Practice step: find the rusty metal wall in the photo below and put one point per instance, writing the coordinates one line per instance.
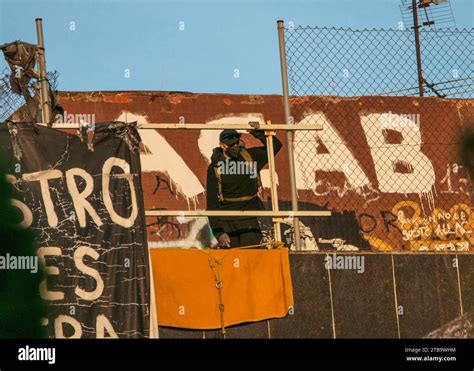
(387, 167)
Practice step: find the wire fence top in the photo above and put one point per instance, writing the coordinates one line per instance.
(350, 62)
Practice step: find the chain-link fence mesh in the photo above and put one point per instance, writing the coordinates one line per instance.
(11, 102)
(385, 163)
(346, 62)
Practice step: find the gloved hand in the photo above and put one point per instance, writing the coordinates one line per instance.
(257, 133)
(224, 240)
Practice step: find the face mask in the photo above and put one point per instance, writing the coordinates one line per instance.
(233, 151)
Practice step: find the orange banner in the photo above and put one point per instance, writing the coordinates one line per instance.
(256, 285)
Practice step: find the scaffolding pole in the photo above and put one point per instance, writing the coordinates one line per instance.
(289, 133)
(44, 89)
(273, 188)
(263, 213)
(200, 126)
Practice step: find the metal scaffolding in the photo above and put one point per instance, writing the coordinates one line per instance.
(269, 129)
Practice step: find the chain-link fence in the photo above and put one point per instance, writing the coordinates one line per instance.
(346, 62)
(11, 102)
(385, 163)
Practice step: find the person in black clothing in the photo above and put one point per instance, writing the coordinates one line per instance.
(233, 183)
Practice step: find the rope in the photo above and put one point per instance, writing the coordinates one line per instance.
(274, 244)
(216, 268)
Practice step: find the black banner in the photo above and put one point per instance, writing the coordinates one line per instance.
(82, 197)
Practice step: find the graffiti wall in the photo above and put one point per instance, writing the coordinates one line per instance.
(387, 167)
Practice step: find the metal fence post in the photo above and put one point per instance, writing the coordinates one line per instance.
(417, 45)
(289, 134)
(45, 103)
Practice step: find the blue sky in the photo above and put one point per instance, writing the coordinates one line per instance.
(144, 37)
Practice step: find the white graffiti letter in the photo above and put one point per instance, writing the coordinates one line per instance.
(27, 214)
(161, 156)
(418, 176)
(49, 270)
(79, 198)
(43, 177)
(78, 260)
(59, 330)
(102, 325)
(339, 158)
(106, 169)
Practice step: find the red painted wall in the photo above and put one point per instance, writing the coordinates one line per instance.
(386, 166)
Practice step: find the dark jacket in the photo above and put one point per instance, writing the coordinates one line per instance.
(237, 185)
